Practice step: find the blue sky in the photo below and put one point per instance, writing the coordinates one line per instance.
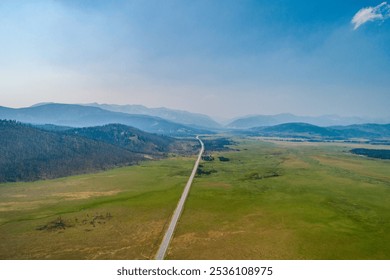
(222, 58)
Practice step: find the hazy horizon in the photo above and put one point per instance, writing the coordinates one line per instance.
(221, 120)
(225, 59)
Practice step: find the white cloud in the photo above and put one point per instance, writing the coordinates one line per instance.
(380, 12)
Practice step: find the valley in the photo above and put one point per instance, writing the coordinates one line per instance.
(283, 200)
(83, 182)
(172, 132)
(259, 199)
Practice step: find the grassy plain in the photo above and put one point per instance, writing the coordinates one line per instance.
(280, 200)
(117, 214)
(271, 200)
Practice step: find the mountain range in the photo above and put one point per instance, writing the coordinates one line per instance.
(177, 116)
(271, 120)
(53, 116)
(86, 116)
(53, 140)
(161, 120)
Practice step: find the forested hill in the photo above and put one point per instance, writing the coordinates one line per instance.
(29, 153)
(305, 130)
(129, 138)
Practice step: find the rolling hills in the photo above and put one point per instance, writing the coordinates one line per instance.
(304, 130)
(126, 137)
(272, 120)
(29, 153)
(86, 116)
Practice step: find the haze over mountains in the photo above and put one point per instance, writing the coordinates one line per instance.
(178, 116)
(160, 120)
(53, 140)
(57, 117)
(85, 116)
(270, 120)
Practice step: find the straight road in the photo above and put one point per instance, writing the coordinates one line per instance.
(179, 209)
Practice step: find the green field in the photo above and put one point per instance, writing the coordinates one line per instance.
(270, 200)
(287, 201)
(117, 214)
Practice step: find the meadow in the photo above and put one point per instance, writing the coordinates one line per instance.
(283, 200)
(260, 200)
(116, 214)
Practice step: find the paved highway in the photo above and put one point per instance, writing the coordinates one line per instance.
(179, 209)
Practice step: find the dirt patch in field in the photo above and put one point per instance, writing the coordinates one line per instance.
(189, 238)
(351, 166)
(18, 196)
(84, 195)
(16, 206)
(28, 205)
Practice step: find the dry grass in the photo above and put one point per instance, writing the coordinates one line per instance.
(117, 214)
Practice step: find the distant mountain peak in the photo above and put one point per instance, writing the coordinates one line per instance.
(41, 103)
(74, 115)
(178, 116)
